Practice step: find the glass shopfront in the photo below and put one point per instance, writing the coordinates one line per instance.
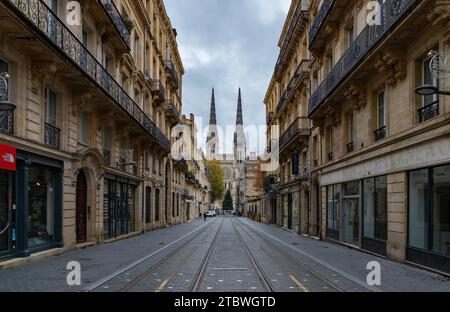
(375, 214)
(31, 206)
(357, 213)
(118, 206)
(429, 217)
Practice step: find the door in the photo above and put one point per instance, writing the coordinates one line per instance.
(6, 212)
(81, 208)
(350, 220)
(290, 211)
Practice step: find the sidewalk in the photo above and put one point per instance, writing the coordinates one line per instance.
(329, 257)
(49, 274)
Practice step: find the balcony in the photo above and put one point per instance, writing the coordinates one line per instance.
(117, 20)
(380, 134)
(39, 16)
(52, 136)
(268, 181)
(299, 127)
(7, 121)
(301, 73)
(429, 112)
(392, 12)
(299, 14)
(172, 112)
(158, 91)
(319, 21)
(172, 73)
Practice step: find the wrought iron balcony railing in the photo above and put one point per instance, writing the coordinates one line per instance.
(300, 126)
(380, 134)
(319, 21)
(429, 112)
(41, 17)
(392, 11)
(300, 14)
(302, 72)
(117, 20)
(7, 121)
(52, 136)
(158, 90)
(170, 68)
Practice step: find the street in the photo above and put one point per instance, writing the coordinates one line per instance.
(223, 254)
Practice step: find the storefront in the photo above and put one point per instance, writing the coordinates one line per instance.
(429, 217)
(291, 208)
(119, 201)
(357, 213)
(30, 205)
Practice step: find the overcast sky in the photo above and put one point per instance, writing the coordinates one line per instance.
(227, 44)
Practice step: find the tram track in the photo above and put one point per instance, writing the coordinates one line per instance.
(124, 270)
(289, 255)
(259, 271)
(278, 244)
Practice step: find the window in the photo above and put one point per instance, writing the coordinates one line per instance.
(429, 213)
(350, 36)
(351, 132)
(333, 210)
(84, 127)
(4, 90)
(107, 144)
(429, 106)
(380, 110)
(50, 107)
(330, 143)
(146, 160)
(375, 208)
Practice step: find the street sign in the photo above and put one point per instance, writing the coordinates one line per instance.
(7, 157)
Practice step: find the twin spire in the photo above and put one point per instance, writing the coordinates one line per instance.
(239, 115)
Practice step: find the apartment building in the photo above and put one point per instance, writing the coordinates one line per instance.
(377, 151)
(96, 98)
(287, 189)
(382, 151)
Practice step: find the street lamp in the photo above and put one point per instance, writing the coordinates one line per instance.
(5, 104)
(427, 90)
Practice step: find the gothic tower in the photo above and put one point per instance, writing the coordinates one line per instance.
(239, 146)
(212, 141)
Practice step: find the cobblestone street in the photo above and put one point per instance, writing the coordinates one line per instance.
(224, 254)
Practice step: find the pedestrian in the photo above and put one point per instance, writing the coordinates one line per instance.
(204, 216)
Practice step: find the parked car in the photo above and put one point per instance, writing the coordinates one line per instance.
(211, 214)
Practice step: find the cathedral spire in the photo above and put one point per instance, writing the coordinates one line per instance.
(239, 118)
(212, 116)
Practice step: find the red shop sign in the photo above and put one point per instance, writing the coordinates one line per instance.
(7, 157)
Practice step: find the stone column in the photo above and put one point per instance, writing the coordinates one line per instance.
(397, 216)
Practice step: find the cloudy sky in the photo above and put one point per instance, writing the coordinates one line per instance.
(227, 44)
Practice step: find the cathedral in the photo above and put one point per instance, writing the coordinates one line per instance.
(233, 165)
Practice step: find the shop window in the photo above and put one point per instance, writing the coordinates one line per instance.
(41, 196)
(333, 210)
(375, 208)
(429, 213)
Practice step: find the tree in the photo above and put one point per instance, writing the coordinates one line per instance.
(216, 177)
(228, 201)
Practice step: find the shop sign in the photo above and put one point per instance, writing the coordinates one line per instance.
(7, 157)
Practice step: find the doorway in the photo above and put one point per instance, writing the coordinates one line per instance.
(81, 208)
(289, 221)
(350, 220)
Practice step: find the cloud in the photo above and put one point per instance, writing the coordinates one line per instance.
(227, 44)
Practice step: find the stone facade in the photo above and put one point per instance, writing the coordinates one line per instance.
(373, 139)
(101, 99)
